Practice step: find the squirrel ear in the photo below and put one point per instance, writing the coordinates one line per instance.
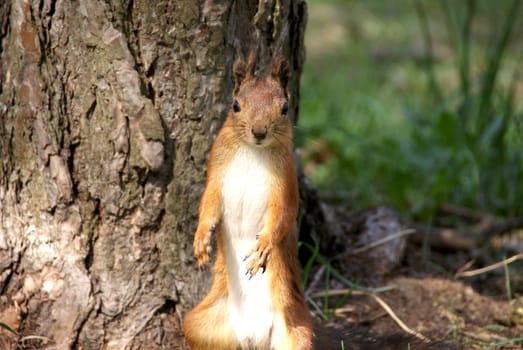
(239, 72)
(280, 70)
(242, 71)
(251, 62)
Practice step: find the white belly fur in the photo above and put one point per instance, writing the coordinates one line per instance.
(245, 191)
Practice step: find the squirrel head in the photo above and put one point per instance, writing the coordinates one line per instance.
(260, 105)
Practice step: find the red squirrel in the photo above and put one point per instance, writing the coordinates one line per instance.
(250, 203)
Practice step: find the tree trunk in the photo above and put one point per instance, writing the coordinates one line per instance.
(108, 110)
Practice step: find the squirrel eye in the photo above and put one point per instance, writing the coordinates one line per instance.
(285, 108)
(235, 106)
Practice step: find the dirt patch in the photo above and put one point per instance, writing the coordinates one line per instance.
(467, 314)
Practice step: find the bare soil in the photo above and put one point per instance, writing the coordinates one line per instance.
(465, 313)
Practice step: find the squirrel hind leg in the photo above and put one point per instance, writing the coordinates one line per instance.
(296, 337)
(206, 328)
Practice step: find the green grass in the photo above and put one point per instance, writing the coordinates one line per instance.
(383, 122)
(7, 327)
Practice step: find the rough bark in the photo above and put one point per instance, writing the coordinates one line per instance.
(108, 110)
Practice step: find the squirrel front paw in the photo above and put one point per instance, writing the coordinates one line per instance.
(202, 244)
(259, 256)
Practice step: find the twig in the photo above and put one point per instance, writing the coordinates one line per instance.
(380, 301)
(466, 213)
(336, 292)
(497, 265)
(375, 243)
(443, 237)
(465, 267)
(469, 238)
(342, 310)
(380, 242)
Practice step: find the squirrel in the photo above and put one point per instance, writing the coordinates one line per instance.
(250, 204)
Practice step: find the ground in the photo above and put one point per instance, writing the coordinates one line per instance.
(471, 313)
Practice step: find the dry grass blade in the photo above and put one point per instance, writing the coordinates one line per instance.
(44, 340)
(377, 243)
(381, 302)
(497, 265)
(396, 319)
(381, 241)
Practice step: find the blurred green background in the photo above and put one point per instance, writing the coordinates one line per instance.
(415, 104)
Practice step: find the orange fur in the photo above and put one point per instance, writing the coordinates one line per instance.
(258, 124)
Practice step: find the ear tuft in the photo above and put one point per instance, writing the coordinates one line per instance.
(280, 70)
(251, 62)
(239, 71)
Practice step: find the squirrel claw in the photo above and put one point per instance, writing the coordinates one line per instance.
(260, 254)
(202, 245)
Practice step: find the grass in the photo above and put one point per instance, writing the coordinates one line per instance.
(8, 328)
(499, 344)
(415, 104)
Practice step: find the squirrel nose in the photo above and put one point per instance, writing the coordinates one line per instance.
(259, 133)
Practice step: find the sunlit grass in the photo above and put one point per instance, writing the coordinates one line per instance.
(373, 128)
